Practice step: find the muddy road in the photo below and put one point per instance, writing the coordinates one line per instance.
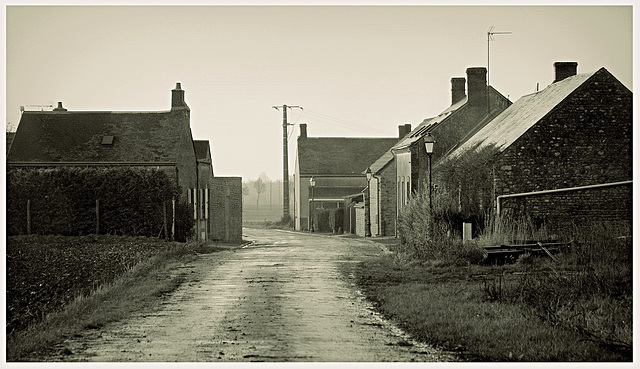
(284, 297)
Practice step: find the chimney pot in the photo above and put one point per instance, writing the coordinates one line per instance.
(564, 70)
(403, 130)
(457, 89)
(177, 98)
(303, 130)
(60, 107)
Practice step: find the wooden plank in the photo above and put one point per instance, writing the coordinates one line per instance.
(549, 253)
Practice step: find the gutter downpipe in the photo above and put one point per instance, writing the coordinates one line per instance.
(523, 194)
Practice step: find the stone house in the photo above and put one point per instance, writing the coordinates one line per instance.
(383, 205)
(559, 156)
(403, 170)
(161, 140)
(337, 165)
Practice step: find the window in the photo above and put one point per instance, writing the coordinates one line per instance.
(192, 195)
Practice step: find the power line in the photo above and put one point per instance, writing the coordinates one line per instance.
(324, 118)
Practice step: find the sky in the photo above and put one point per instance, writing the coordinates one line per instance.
(356, 71)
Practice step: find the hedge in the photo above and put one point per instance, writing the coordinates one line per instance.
(62, 201)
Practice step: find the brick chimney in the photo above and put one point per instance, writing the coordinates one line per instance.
(564, 70)
(477, 87)
(457, 89)
(403, 130)
(303, 130)
(177, 98)
(59, 108)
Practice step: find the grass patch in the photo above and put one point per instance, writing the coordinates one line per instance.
(478, 311)
(138, 287)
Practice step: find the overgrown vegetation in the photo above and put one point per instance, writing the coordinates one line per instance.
(81, 201)
(101, 279)
(577, 307)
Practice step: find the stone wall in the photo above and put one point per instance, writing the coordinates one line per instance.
(225, 209)
(574, 209)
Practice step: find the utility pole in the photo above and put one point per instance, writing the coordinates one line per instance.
(285, 159)
(490, 34)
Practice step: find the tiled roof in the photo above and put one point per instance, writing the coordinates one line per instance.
(79, 136)
(514, 121)
(340, 155)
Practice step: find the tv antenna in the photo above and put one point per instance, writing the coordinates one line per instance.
(490, 34)
(35, 107)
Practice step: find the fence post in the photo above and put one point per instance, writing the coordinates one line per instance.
(166, 223)
(28, 216)
(97, 216)
(173, 219)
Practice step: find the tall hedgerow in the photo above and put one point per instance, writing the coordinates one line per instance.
(63, 201)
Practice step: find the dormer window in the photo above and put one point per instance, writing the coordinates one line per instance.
(107, 140)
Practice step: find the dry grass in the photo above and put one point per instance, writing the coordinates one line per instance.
(578, 308)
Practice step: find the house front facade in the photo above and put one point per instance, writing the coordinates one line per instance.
(337, 165)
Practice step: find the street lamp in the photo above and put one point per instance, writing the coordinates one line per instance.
(312, 183)
(428, 145)
(367, 205)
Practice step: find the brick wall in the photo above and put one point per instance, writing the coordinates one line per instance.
(226, 209)
(585, 140)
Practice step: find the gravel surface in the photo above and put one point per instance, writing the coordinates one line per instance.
(284, 297)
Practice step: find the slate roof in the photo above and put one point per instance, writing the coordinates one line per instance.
(340, 155)
(429, 124)
(514, 121)
(53, 137)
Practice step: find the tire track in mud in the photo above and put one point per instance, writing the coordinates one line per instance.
(281, 298)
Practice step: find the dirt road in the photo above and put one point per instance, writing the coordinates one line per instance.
(281, 298)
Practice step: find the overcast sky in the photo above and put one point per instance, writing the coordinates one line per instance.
(356, 70)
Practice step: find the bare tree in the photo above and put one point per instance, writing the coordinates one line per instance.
(245, 190)
(260, 187)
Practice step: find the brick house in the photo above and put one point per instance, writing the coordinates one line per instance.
(469, 111)
(562, 155)
(337, 165)
(161, 140)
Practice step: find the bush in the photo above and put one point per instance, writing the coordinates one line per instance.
(63, 201)
(426, 234)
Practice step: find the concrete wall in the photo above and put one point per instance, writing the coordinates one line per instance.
(225, 209)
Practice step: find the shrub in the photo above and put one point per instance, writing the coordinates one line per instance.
(427, 235)
(63, 201)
